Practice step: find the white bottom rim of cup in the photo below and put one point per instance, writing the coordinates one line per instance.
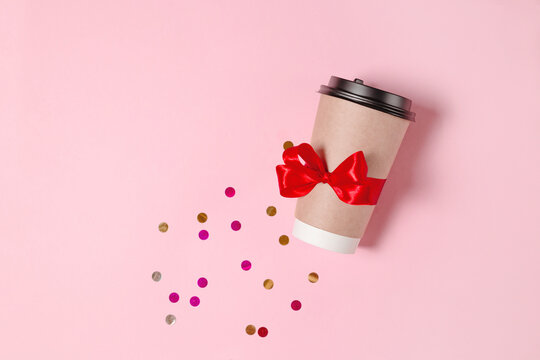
(324, 239)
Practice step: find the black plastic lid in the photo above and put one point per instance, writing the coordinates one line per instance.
(377, 99)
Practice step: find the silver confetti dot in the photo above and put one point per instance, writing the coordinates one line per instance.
(156, 276)
(170, 319)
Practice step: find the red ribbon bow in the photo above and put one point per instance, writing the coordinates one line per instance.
(349, 180)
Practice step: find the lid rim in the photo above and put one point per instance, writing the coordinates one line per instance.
(357, 92)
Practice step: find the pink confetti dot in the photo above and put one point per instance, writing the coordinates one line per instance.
(296, 305)
(229, 192)
(246, 265)
(173, 297)
(194, 301)
(203, 234)
(235, 225)
(202, 282)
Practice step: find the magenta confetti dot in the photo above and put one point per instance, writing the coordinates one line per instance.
(202, 282)
(296, 305)
(203, 234)
(229, 192)
(173, 297)
(246, 265)
(235, 225)
(194, 301)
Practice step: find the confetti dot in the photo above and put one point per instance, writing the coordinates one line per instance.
(194, 301)
(271, 210)
(173, 297)
(263, 331)
(235, 225)
(156, 276)
(203, 234)
(283, 240)
(202, 282)
(163, 227)
(313, 277)
(250, 329)
(170, 319)
(287, 144)
(229, 192)
(202, 217)
(296, 305)
(246, 265)
(268, 284)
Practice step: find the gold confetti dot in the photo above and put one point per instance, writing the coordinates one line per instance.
(271, 210)
(163, 227)
(202, 217)
(170, 319)
(268, 284)
(313, 277)
(156, 276)
(287, 144)
(283, 240)
(250, 329)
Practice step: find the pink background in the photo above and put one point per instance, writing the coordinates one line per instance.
(117, 115)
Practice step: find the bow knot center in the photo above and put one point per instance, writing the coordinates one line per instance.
(325, 178)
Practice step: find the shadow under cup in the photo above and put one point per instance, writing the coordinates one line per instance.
(351, 117)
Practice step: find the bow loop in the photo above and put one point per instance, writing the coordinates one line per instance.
(349, 180)
(292, 155)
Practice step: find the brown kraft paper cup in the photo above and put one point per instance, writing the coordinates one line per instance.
(351, 117)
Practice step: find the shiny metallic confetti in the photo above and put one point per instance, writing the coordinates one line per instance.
(203, 235)
(202, 282)
(251, 329)
(271, 210)
(283, 240)
(156, 276)
(313, 277)
(246, 265)
(263, 331)
(268, 284)
(235, 225)
(202, 217)
(170, 319)
(163, 227)
(174, 297)
(296, 305)
(229, 192)
(287, 144)
(194, 301)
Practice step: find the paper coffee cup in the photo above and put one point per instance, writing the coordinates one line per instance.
(351, 117)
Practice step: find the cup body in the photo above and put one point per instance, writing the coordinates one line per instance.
(343, 127)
